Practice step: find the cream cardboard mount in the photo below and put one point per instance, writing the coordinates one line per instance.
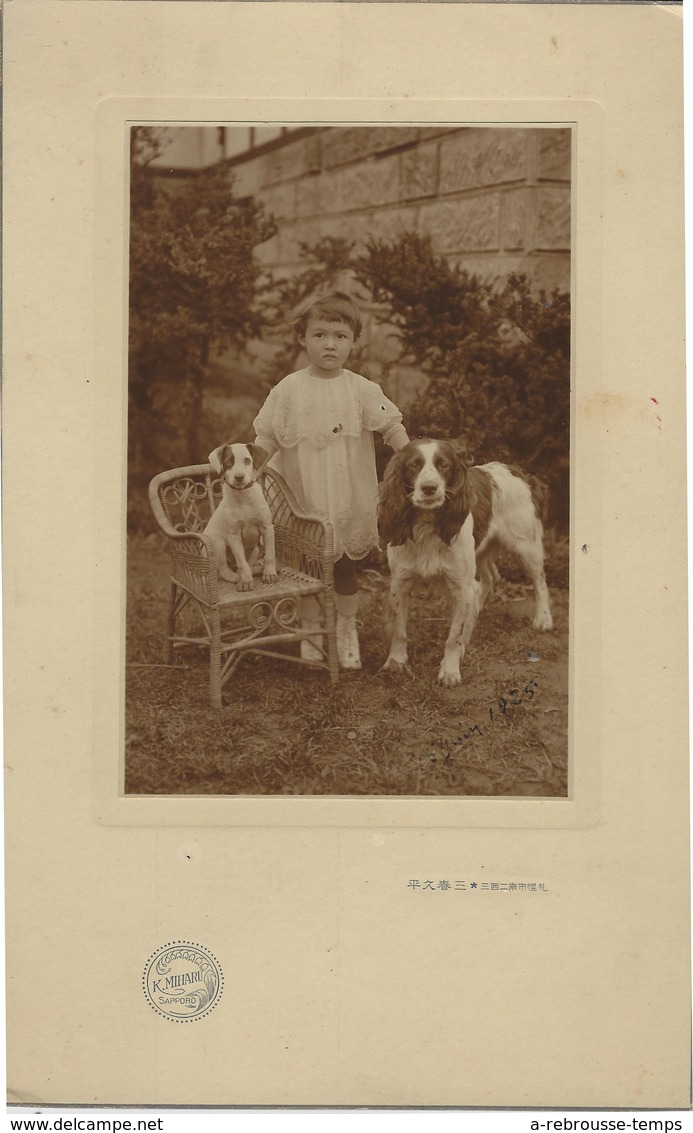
(329, 979)
(584, 124)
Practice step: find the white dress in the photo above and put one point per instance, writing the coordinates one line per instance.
(323, 429)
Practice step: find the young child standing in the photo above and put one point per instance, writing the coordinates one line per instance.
(319, 424)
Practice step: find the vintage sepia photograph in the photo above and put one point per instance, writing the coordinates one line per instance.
(346, 715)
(349, 460)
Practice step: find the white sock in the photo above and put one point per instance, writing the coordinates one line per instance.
(347, 638)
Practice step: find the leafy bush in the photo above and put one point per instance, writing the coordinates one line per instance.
(497, 358)
(428, 301)
(193, 288)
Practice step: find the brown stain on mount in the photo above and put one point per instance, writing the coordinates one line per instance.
(615, 410)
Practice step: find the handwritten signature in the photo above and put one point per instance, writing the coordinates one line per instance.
(514, 698)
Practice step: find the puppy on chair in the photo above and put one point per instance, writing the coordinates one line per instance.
(242, 521)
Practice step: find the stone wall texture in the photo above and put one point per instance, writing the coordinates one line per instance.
(493, 199)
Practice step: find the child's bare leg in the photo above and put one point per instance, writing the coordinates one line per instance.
(345, 580)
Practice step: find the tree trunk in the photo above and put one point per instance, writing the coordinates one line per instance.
(198, 373)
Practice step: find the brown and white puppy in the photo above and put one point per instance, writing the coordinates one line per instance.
(441, 518)
(242, 519)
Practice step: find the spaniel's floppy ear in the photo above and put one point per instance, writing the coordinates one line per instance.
(395, 511)
(457, 500)
(216, 458)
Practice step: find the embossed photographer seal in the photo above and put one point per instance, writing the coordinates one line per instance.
(182, 981)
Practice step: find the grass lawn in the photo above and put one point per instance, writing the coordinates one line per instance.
(285, 730)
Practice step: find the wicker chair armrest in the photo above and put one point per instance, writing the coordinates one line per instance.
(316, 530)
(311, 528)
(155, 500)
(304, 542)
(190, 542)
(194, 564)
(290, 498)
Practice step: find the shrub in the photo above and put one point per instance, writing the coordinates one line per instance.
(505, 388)
(193, 287)
(430, 302)
(497, 358)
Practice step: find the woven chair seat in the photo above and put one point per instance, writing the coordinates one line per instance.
(183, 500)
(291, 584)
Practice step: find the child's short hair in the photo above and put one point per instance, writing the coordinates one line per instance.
(334, 306)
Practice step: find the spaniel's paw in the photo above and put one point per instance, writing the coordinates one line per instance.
(245, 583)
(449, 678)
(270, 576)
(543, 620)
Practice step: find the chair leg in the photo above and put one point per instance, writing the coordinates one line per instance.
(215, 660)
(331, 634)
(171, 624)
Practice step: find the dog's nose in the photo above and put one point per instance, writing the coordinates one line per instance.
(429, 489)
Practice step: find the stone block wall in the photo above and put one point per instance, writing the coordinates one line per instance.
(493, 199)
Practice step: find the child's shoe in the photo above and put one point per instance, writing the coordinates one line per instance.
(348, 643)
(348, 651)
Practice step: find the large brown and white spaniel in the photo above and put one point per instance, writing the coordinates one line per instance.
(442, 518)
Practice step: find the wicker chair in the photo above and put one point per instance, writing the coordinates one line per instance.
(183, 500)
